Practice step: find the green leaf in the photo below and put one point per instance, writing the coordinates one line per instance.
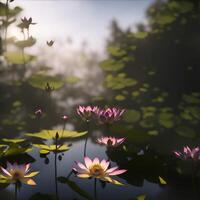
(162, 181)
(50, 134)
(141, 35)
(185, 132)
(72, 79)
(120, 97)
(166, 120)
(141, 197)
(153, 132)
(17, 140)
(119, 81)
(40, 81)
(18, 58)
(116, 51)
(26, 43)
(131, 116)
(45, 149)
(111, 65)
(75, 187)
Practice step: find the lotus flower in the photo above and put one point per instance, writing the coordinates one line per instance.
(98, 169)
(110, 141)
(109, 115)
(188, 153)
(86, 112)
(17, 173)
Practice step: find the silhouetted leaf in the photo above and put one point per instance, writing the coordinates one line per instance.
(75, 187)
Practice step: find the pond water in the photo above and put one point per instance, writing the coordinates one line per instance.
(149, 69)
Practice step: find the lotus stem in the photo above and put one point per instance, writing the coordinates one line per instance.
(16, 186)
(95, 189)
(86, 139)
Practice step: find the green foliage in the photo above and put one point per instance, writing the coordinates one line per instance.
(141, 35)
(116, 51)
(51, 134)
(11, 12)
(17, 140)
(26, 43)
(119, 81)
(164, 19)
(167, 119)
(75, 187)
(111, 65)
(132, 116)
(72, 80)
(120, 97)
(18, 58)
(40, 81)
(180, 7)
(153, 132)
(45, 149)
(140, 197)
(162, 181)
(185, 131)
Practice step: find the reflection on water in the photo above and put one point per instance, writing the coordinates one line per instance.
(152, 72)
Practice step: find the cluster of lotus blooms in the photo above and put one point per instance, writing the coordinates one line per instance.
(96, 168)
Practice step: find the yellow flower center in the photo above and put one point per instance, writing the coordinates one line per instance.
(17, 175)
(96, 170)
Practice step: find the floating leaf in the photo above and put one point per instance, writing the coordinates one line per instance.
(153, 132)
(18, 58)
(141, 35)
(166, 120)
(132, 116)
(72, 79)
(119, 81)
(75, 187)
(120, 97)
(40, 81)
(13, 140)
(45, 149)
(50, 134)
(111, 65)
(141, 197)
(162, 181)
(185, 132)
(26, 43)
(116, 51)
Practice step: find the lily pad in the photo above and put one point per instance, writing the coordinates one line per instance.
(18, 58)
(132, 116)
(40, 81)
(50, 134)
(26, 43)
(45, 149)
(185, 132)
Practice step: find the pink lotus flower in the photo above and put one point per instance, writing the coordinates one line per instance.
(188, 153)
(86, 112)
(110, 141)
(109, 115)
(98, 169)
(17, 173)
